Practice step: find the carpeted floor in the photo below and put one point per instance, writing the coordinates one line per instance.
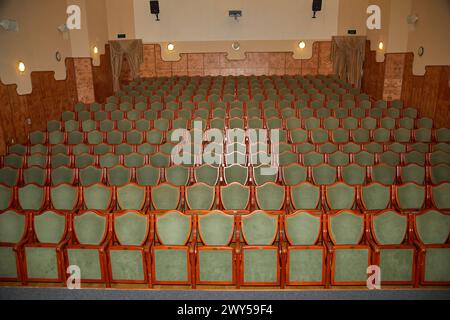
(111, 294)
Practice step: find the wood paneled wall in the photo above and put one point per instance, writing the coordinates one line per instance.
(394, 79)
(102, 77)
(214, 64)
(47, 100)
(50, 97)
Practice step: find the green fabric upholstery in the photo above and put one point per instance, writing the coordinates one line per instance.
(165, 197)
(441, 196)
(433, 227)
(173, 228)
(8, 267)
(215, 265)
(84, 160)
(302, 229)
(131, 229)
(200, 196)
(6, 197)
(440, 174)
(305, 265)
(64, 197)
(37, 160)
(131, 197)
(9, 176)
(294, 174)
(259, 228)
(237, 174)
(90, 175)
(354, 175)
(260, 265)
(42, 263)
(126, 265)
(235, 196)
(49, 227)
(119, 176)
(364, 158)
(390, 228)
(413, 173)
(35, 175)
(97, 197)
(340, 196)
(437, 265)
(216, 228)
(178, 175)
(376, 196)
(324, 174)
(339, 158)
(88, 260)
(109, 160)
(396, 264)
(62, 175)
(90, 228)
(260, 179)
(12, 227)
(384, 174)
(148, 176)
(160, 160)
(171, 265)
(351, 265)
(313, 159)
(410, 196)
(346, 228)
(305, 196)
(270, 196)
(31, 197)
(13, 161)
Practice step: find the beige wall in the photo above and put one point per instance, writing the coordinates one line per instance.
(98, 27)
(120, 15)
(431, 32)
(36, 42)
(352, 16)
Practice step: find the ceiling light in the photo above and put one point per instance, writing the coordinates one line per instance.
(21, 67)
(170, 47)
(302, 45)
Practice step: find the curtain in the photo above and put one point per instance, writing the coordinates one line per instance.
(133, 50)
(347, 54)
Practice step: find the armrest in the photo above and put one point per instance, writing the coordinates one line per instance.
(329, 246)
(63, 243)
(373, 245)
(419, 246)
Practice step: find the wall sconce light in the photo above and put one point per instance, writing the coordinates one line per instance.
(170, 47)
(302, 45)
(235, 46)
(381, 45)
(21, 67)
(95, 50)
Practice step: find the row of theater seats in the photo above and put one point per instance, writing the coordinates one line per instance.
(261, 248)
(235, 197)
(182, 176)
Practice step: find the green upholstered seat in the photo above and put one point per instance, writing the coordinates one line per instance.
(440, 173)
(171, 265)
(413, 173)
(97, 197)
(270, 196)
(350, 259)
(131, 197)
(207, 174)
(42, 262)
(410, 196)
(200, 196)
(305, 196)
(9, 176)
(127, 260)
(35, 175)
(64, 197)
(354, 174)
(165, 197)
(148, 176)
(432, 228)
(236, 173)
(440, 196)
(12, 230)
(31, 197)
(384, 174)
(340, 196)
(375, 196)
(235, 196)
(324, 174)
(119, 176)
(260, 264)
(178, 175)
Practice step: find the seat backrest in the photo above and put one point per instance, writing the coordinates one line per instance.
(13, 226)
(90, 227)
(131, 228)
(165, 197)
(50, 226)
(303, 228)
(173, 228)
(389, 227)
(432, 227)
(260, 228)
(346, 227)
(216, 228)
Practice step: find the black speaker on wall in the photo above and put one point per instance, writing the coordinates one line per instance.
(316, 7)
(154, 9)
